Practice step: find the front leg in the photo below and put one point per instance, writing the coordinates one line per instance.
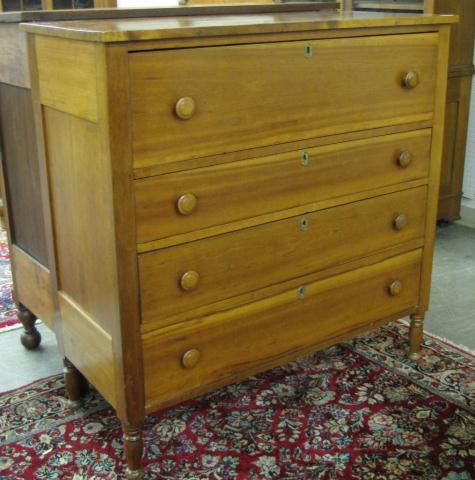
(133, 448)
(75, 383)
(30, 338)
(416, 332)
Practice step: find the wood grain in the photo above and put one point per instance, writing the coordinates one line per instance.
(160, 169)
(89, 347)
(222, 25)
(83, 214)
(126, 339)
(254, 258)
(13, 57)
(235, 191)
(269, 111)
(68, 82)
(436, 160)
(246, 337)
(33, 285)
(21, 170)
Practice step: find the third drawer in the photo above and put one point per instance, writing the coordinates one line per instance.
(177, 280)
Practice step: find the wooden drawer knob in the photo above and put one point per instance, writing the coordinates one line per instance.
(404, 158)
(185, 108)
(410, 80)
(395, 288)
(189, 280)
(400, 222)
(191, 358)
(186, 204)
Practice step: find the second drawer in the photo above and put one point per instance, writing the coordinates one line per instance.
(182, 202)
(176, 280)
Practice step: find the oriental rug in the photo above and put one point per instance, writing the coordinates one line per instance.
(359, 410)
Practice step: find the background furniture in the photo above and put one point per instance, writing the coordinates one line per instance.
(215, 216)
(19, 5)
(461, 71)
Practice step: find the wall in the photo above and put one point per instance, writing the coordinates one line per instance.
(468, 202)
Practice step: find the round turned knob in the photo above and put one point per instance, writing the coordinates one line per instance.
(191, 358)
(404, 158)
(186, 204)
(185, 108)
(400, 222)
(395, 288)
(189, 280)
(410, 80)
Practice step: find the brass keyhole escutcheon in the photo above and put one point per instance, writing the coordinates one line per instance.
(304, 224)
(305, 159)
(308, 51)
(301, 292)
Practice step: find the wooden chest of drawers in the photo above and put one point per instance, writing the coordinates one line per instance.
(224, 200)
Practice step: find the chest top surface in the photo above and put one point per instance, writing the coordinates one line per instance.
(217, 23)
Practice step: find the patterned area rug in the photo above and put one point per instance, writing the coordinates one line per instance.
(359, 410)
(8, 313)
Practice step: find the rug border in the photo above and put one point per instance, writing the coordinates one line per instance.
(450, 343)
(6, 392)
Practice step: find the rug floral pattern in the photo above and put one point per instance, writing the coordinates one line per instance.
(359, 410)
(8, 313)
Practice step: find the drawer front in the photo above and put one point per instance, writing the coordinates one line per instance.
(176, 280)
(202, 101)
(222, 348)
(183, 202)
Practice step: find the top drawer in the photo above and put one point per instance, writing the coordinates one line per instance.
(195, 102)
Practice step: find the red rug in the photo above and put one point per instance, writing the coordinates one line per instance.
(8, 313)
(360, 410)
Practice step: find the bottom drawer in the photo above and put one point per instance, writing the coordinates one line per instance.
(180, 361)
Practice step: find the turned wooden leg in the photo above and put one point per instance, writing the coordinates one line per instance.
(133, 448)
(75, 383)
(30, 338)
(416, 333)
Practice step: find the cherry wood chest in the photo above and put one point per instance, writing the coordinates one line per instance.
(223, 198)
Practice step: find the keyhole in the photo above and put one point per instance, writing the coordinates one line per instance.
(304, 224)
(308, 51)
(305, 159)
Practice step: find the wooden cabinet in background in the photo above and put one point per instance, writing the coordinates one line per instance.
(461, 70)
(32, 5)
